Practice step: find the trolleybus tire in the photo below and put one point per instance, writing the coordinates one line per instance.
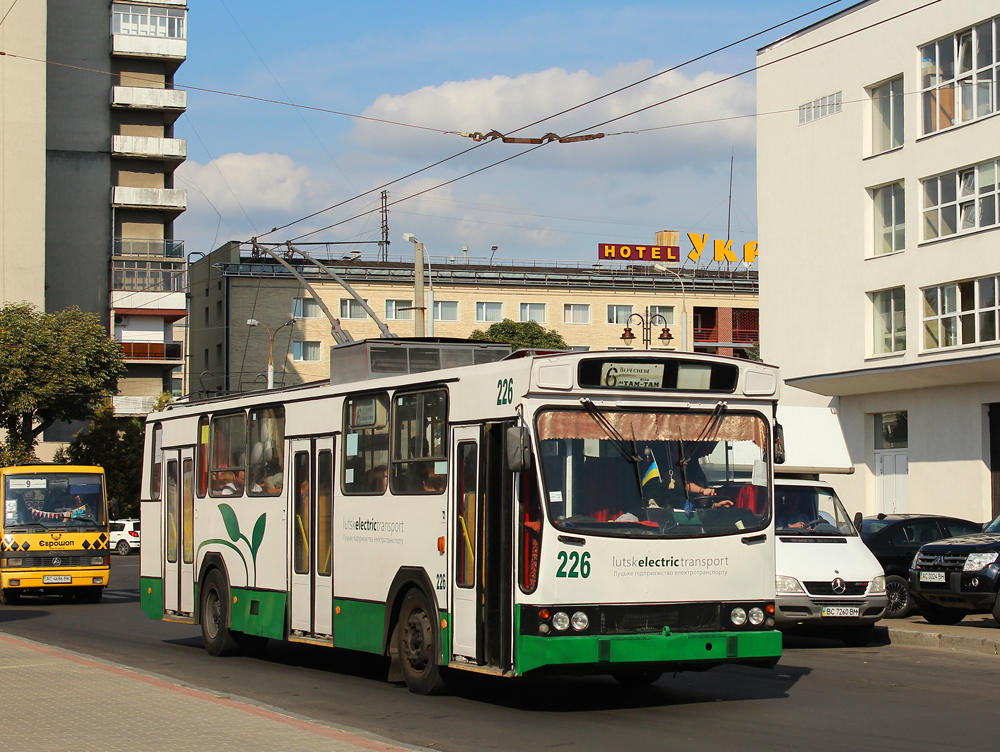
(416, 644)
(637, 678)
(219, 641)
(10, 597)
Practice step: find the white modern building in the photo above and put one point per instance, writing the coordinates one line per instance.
(878, 161)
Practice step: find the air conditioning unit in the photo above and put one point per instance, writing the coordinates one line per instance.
(121, 319)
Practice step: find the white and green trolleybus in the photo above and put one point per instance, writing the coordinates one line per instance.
(455, 508)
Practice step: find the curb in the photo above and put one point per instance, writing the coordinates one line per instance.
(935, 639)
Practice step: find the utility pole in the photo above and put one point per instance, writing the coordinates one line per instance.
(383, 244)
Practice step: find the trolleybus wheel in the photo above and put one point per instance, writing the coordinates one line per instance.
(10, 597)
(214, 615)
(417, 645)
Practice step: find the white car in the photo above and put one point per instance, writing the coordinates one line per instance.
(124, 536)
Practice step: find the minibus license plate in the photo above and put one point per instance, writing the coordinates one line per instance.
(841, 611)
(932, 576)
(57, 579)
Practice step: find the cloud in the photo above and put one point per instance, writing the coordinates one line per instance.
(504, 103)
(255, 182)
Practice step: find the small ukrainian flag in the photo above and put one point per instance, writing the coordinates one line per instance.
(653, 472)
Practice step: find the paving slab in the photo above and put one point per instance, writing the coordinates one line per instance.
(77, 702)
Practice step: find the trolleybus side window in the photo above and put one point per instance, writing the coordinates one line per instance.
(266, 460)
(366, 444)
(324, 512)
(202, 456)
(228, 451)
(156, 472)
(300, 516)
(465, 564)
(419, 442)
(172, 511)
(530, 521)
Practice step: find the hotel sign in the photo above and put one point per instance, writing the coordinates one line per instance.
(617, 252)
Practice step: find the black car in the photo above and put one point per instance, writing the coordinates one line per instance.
(959, 576)
(895, 540)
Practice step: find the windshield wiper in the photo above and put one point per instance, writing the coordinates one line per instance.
(619, 442)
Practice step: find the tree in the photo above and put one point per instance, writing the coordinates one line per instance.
(522, 335)
(53, 366)
(115, 447)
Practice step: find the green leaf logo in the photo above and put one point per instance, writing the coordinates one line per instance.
(258, 536)
(232, 524)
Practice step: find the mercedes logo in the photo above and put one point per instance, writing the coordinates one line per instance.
(56, 561)
(838, 586)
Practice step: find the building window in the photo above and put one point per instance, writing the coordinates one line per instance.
(398, 310)
(618, 314)
(958, 77)
(446, 310)
(887, 115)
(576, 313)
(177, 381)
(960, 201)
(305, 308)
(890, 218)
(218, 310)
(145, 21)
(891, 431)
(305, 352)
(489, 312)
(533, 312)
(352, 309)
(890, 321)
(963, 313)
(821, 108)
(666, 311)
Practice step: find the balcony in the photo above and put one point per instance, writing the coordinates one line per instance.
(149, 31)
(162, 199)
(146, 147)
(171, 101)
(129, 45)
(164, 298)
(153, 352)
(127, 405)
(146, 248)
(740, 336)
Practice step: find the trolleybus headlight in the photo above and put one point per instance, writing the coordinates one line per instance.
(14, 562)
(560, 621)
(96, 561)
(738, 616)
(756, 616)
(580, 621)
(543, 628)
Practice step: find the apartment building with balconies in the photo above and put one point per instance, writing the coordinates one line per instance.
(589, 304)
(88, 201)
(878, 157)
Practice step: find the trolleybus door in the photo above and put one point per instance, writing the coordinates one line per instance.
(301, 518)
(466, 590)
(172, 530)
(323, 537)
(312, 535)
(186, 526)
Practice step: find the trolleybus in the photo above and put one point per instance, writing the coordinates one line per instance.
(591, 512)
(54, 532)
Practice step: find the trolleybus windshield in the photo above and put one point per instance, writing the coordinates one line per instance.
(654, 473)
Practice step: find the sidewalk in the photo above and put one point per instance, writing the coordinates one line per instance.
(58, 701)
(979, 633)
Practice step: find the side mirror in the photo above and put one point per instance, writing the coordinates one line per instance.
(518, 449)
(779, 444)
(858, 521)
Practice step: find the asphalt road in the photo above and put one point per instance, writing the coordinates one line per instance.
(822, 696)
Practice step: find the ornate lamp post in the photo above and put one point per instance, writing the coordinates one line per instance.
(270, 356)
(646, 324)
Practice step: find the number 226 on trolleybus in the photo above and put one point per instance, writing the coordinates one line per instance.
(575, 512)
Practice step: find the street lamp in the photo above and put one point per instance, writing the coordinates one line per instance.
(662, 267)
(418, 287)
(646, 324)
(270, 356)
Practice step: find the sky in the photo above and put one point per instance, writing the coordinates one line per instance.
(443, 68)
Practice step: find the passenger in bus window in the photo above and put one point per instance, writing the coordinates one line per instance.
(429, 482)
(224, 483)
(378, 478)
